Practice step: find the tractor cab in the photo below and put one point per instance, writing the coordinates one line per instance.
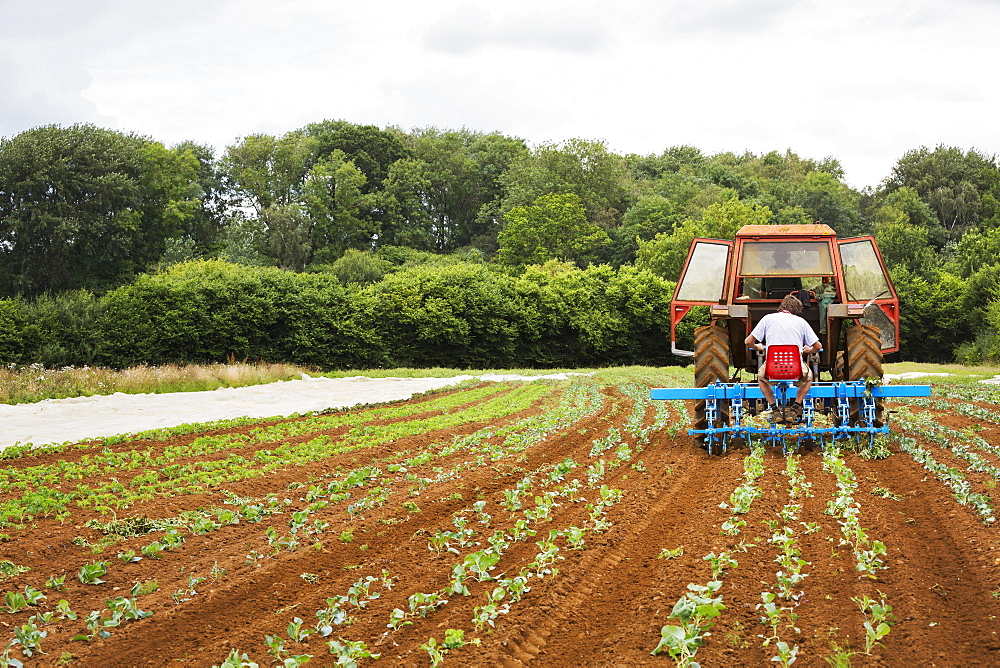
(745, 279)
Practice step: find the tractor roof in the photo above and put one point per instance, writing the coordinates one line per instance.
(816, 229)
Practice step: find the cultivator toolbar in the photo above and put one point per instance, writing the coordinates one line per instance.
(853, 408)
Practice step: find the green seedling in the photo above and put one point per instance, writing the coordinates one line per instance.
(694, 612)
(574, 536)
(397, 619)
(14, 601)
(296, 632)
(64, 611)
(30, 637)
(349, 652)
(421, 604)
(877, 616)
(786, 655)
(236, 660)
(129, 557)
(435, 652)
(91, 573)
(720, 563)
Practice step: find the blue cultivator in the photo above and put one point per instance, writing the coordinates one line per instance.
(855, 407)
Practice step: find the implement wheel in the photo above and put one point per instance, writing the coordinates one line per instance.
(711, 364)
(864, 360)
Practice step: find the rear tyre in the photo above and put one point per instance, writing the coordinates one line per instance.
(711, 364)
(864, 360)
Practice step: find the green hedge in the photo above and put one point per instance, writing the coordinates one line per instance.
(211, 311)
(460, 315)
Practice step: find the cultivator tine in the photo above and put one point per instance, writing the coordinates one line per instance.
(733, 396)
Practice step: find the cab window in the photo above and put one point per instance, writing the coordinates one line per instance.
(705, 276)
(864, 277)
(786, 258)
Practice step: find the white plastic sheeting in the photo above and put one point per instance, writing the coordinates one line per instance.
(79, 418)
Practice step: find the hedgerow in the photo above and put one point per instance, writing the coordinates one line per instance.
(460, 315)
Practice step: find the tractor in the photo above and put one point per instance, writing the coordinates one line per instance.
(848, 300)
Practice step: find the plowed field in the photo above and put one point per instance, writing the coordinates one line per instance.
(553, 522)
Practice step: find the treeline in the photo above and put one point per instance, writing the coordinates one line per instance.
(357, 208)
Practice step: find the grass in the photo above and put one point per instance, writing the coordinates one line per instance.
(959, 373)
(29, 384)
(443, 372)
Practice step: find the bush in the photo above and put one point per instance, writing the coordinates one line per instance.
(595, 316)
(461, 315)
(211, 311)
(12, 332)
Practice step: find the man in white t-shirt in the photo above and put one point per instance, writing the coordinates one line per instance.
(786, 327)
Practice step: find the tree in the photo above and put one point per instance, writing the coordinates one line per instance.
(263, 170)
(408, 221)
(360, 267)
(952, 182)
(206, 226)
(371, 150)
(906, 245)
(826, 200)
(665, 254)
(289, 235)
(904, 205)
(85, 207)
(649, 216)
(553, 227)
(339, 209)
(463, 170)
(599, 178)
(974, 250)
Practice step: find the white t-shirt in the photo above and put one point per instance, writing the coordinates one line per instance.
(784, 329)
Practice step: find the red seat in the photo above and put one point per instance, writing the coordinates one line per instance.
(783, 363)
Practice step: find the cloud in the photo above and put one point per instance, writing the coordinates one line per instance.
(470, 28)
(49, 48)
(726, 15)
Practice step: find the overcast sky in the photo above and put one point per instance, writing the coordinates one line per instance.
(860, 80)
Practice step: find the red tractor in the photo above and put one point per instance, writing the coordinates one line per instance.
(847, 296)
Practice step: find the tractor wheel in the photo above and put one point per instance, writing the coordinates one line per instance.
(711, 363)
(864, 360)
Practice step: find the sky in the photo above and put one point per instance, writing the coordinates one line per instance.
(862, 81)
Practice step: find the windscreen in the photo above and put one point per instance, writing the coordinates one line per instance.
(706, 273)
(863, 274)
(786, 258)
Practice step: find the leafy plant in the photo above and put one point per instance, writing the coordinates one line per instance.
(14, 601)
(694, 612)
(296, 632)
(91, 573)
(667, 553)
(877, 616)
(349, 652)
(236, 660)
(719, 563)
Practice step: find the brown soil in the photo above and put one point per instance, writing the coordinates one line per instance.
(606, 604)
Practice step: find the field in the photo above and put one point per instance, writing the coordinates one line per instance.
(553, 522)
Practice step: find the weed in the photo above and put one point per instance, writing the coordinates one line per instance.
(667, 553)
